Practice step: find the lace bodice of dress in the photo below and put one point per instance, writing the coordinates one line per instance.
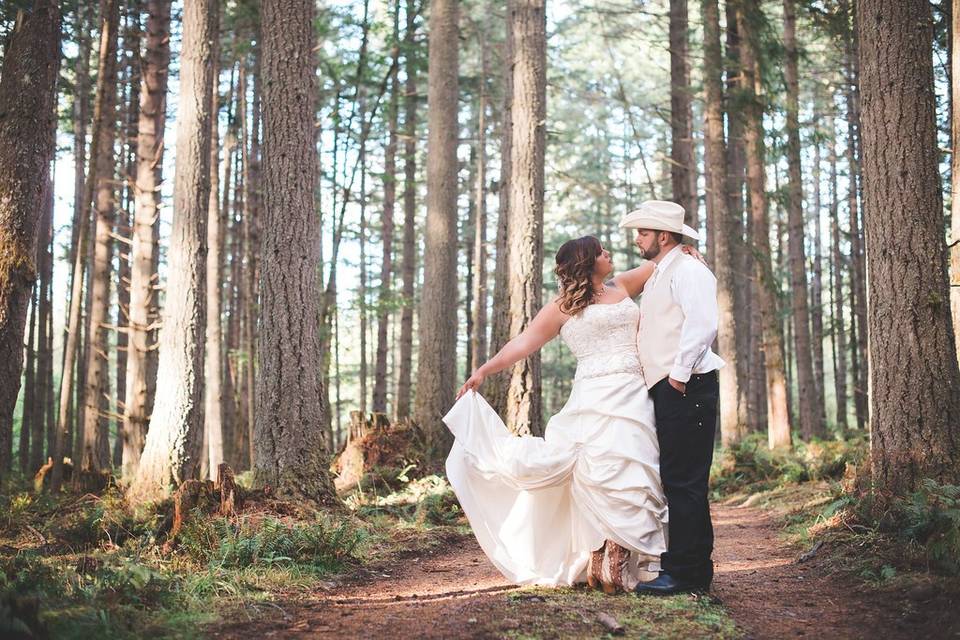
(603, 337)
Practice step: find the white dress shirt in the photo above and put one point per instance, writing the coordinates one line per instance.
(694, 290)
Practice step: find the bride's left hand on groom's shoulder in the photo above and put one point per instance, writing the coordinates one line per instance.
(692, 251)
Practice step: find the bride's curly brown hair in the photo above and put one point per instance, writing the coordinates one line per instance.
(575, 262)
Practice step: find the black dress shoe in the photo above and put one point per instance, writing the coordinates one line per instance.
(666, 585)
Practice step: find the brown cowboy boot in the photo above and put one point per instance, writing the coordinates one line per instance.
(595, 567)
(617, 559)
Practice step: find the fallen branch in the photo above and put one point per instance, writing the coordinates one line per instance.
(809, 554)
(610, 623)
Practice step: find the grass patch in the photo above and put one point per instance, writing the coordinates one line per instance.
(89, 567)
(575, 613)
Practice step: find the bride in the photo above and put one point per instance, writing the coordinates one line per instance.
(585, 502)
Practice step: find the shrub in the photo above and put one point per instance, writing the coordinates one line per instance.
(751, 463)
(930, 517)
(269, 541)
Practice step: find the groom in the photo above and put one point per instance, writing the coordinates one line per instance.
(678, 323)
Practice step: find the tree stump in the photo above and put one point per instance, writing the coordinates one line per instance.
(223, 497)
(372, 442)
(231, 498)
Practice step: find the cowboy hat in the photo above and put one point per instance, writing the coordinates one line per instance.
(658, 215)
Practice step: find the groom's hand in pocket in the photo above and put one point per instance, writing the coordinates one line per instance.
(679, 386)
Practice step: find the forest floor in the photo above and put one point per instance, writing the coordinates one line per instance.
(801, 550)
(760, 591)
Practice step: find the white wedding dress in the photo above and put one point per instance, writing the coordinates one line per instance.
(539, 506)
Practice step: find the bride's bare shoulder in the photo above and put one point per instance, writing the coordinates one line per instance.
(553, 308)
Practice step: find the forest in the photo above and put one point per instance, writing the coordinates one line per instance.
(250, 249)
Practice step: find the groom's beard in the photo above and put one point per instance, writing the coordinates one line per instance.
(651, 253)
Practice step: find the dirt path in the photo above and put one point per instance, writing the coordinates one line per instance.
(456, 592)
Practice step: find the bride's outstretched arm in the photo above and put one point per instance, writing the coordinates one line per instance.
(544, 327)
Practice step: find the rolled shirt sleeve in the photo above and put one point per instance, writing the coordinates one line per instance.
(694, 289)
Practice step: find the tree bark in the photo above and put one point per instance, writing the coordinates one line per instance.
(408, 267)
(290, 454)
(436, 366)
(101, 112)
(478, 345)
(955, 169)
(44, 397)
(915, 407)
(94, 454)
(143, 305)
(778, 418)
(387, 227)
(174, 443)
(683, 168)
(28, 414)
(838, 326)
(816, 289)
(809, 403)
(525, 236)
(497, 384)
(27, 132)
(213, 358)
(362, 156)
(858, 292)
(725, 225)
(83, 24)
(736, 170)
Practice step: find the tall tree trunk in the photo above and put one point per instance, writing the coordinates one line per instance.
(525, 235)
(101, 112)
(234, 435)
(129, 108)
(809, 404)
(497, 385)
(174, 443)
(27, 131)
(725, 225)
(251, 230)
(389, 204)
(915, 407)
(683, 169)
(478, 345)
(436, 362)
(213, 358)
(468, 237)
(290, 454)
(44, 397)
(816, 289)
(778, 418)
(83, 25)
(95, 452)
(736, 171)
(408, 266)
(838, 327)
(861, 373)
(28, 411)
(955, 169)
(143, 250)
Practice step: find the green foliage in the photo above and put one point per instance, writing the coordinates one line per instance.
(752, 464)
(100, 519)
(930, 517)
(249, 542)
(426, 502)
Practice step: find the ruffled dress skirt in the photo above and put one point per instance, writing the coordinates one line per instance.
(539, 506)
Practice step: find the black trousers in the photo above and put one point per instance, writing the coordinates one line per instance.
(685, 429)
